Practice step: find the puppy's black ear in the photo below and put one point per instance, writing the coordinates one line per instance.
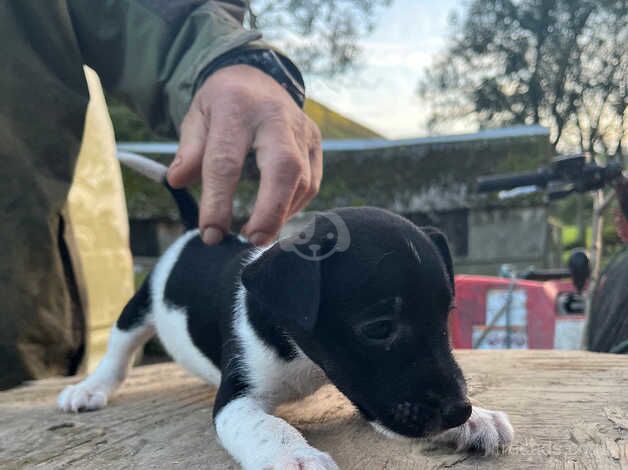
(286, 285)
(440, 241)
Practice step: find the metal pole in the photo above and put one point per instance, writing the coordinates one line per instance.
(504, 310)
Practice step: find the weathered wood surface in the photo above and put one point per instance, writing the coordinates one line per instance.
(569, 410)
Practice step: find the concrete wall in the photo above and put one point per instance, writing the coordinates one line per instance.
(518, 236)
(429, 174)
(430, 180)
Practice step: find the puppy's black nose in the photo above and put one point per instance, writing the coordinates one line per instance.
(456, 413)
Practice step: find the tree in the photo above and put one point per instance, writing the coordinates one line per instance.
(321, 36)
(559, 63)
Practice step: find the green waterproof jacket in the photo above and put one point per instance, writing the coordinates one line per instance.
(148, 53)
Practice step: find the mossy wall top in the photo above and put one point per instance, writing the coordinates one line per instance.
(404, 176)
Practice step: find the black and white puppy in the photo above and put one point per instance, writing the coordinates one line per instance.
(360, 298)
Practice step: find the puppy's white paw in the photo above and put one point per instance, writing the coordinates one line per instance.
(306, 458)
(83, 396)
(485, 430)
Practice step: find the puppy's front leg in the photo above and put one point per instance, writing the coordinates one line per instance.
(260, 441)
(485, 430)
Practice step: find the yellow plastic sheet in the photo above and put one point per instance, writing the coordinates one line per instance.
(99, 225)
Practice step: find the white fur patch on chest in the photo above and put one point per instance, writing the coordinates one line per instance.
(272, 378)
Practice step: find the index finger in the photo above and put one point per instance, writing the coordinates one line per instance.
(227, 146)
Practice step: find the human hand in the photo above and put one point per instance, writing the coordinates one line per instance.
(237, 109)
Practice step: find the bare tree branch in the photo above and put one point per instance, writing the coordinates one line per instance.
(320, 35)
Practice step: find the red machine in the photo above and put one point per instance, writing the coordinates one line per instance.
(503, 313)
(534, 312)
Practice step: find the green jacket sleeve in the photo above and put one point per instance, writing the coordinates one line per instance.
(150, 53)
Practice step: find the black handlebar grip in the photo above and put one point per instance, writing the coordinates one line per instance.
(514, 180)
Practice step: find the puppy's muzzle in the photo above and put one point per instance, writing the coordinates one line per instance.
(456, 414)
(416, 419)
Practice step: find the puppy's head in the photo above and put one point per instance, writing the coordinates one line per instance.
(373, 315)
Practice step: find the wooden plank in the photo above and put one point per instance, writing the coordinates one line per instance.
(569, 410)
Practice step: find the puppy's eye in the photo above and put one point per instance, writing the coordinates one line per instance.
(378, 330)
(330, 236)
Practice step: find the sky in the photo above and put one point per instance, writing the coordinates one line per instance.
(381, 92)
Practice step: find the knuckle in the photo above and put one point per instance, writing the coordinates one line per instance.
(224, 167)
(278, 115)
(290, 165)
(222, 139)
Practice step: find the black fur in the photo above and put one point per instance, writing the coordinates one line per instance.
(440, 242)
(203, 281)
(372, 313)
(136, 309)
(285, 286)
(407, 380)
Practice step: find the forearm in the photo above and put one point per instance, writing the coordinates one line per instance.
(151, 53)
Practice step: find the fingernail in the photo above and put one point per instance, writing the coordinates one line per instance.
(260, 238)
(212, 236)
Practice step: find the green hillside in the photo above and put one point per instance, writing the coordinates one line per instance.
(332, 124)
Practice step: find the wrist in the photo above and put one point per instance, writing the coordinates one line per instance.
(282, 70)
